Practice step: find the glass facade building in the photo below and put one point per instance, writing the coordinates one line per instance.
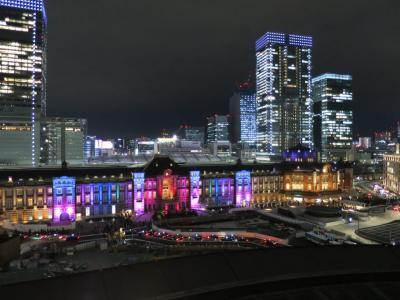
(89, 147)
(22, 80)
(189, 133)
(283, 84)
(217, 129)
(63, 140)
(243, 111)
(333, 115)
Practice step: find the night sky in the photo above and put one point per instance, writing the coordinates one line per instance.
(134, 67)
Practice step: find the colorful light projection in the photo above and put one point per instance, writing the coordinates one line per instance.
(299, 155)
(64, 199)
(243, 188)
(195, 190)
(221, 190)
(98, 193)
(138, 193)
(150, 192)
(183, 193)
(167, 185)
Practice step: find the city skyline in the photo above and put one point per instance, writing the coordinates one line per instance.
(191, 91)
(134, 135)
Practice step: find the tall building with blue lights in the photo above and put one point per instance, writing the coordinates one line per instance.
(22, 80)
(243, 112)
(333, 115)
(283, 92)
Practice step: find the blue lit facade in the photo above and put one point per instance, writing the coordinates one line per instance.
(299, 154)
(283, 85)
(22, 79)
(333, 115)
(243, 188)
(33, 5)
(243, 112)
(89, 148)
(138, 192)
(63, 199)
(195, 189)
(59, 195)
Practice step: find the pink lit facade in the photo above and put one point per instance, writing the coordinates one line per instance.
(86, 193)
(64, 199)
(138, 193)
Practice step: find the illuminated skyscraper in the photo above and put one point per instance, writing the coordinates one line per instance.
(243, 111)
(22, 80)
(284, 105)
(333, 115)
(217, 129)
(218, 135)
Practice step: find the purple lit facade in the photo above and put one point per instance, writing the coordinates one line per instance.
(218, 191)
(299, 154)
(64, 199)
(98, 193)
(195, 189)
(138, 193)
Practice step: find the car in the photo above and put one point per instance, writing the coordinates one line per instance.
(179, 239)
(148, 233)
(213, 237)
(169, 237)
(73, 237)
(242, 239)
(49, 274)
(197, 237)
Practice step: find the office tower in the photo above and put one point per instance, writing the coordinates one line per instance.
(89, 148)
(121, 146)
(382, 144)
(391, 170)
(364, 143)
(189, 133)
(63, 140)
(397, 131)
(218, 135)
(104, 148)
(283, 91)
(243, 112)
(217, 129)
(145, 146)
(333, 115)
(22, 80)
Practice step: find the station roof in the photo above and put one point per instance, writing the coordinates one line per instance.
(156, 166)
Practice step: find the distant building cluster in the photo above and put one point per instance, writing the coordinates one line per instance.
(287, 139)
(284, 107)
(279, 107)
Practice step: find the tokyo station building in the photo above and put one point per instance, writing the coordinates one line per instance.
(64, 195)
